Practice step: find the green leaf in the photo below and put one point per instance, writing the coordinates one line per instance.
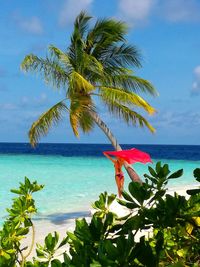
(152, 172)
(95, 264)
(127, 196)
(193, 191)
(145, 254)
(158, 166)
(139, 192)
(51, 241)
(22, 231)
(110, 199)
(129, 205)
(15, 191)
(64, 241)
(40, 253)
(111, 249)
(153, 180)
(197, 174)
(165, 170)
(176, 174)
(56, 263)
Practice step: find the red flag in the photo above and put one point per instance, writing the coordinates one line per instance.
(131, 156)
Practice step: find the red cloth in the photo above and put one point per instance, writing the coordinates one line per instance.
(131, 156)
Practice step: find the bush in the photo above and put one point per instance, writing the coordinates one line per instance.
(173, 224)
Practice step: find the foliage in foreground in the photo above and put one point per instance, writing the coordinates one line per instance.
(169, 226)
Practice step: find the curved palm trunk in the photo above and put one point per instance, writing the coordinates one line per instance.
(132, 174)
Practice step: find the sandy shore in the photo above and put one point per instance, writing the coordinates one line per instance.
(63, 223)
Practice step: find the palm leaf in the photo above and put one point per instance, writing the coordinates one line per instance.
(121, 56)
(114, 95)
(74, 121)
(104, 33)
(46, 121)
(123, 78)
(79, 85)
(92, 66)
(77, 47)
(81, 24)
(80, 109)
(86, 122)
(129, 116)
(50, 70)
(61, 56)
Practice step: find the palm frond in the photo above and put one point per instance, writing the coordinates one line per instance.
(49, 69)
(61, 56)
(129, 116)
(81, 23)
(110, 28)
(121, 56)
(141, 85)
(122, 78)
(80, 109)
(74, 121)
(113, 95)
(49, 118)
(86, 122)
(92, 66)
(104, 33)
(79, 85)
(77, 46)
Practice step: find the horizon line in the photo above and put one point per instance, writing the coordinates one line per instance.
(72, 143)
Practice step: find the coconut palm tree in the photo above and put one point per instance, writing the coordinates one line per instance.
(97, 64)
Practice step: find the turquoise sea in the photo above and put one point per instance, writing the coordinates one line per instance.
(72, 182)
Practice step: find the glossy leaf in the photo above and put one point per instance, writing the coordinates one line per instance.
(197, 174)
(176, 174)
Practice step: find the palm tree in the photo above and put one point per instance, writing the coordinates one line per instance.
(95, 65)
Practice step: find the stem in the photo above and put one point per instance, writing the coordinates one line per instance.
(21, 263)
(32, 242)
(23, 259)
(106, 130)
(168, 256)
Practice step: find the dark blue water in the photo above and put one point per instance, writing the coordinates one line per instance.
(178, 152)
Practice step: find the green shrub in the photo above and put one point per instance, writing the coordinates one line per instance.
(171, 224)
(17, 225)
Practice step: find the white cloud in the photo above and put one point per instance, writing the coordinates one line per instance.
(71, 9)
(139, 11)
(135, 11)
(197, 71)
(31, 25)
(181, 10)
(176, 120)
(196, 84)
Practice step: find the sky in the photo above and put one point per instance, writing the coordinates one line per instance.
(167, 32)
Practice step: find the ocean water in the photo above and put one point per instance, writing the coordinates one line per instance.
(75, 174)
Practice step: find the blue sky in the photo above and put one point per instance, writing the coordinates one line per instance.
(167, 33)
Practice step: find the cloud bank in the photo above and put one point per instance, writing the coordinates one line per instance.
(175, 11)
(181, 10)
(30, 25)
(71, 9)
(135, 11)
